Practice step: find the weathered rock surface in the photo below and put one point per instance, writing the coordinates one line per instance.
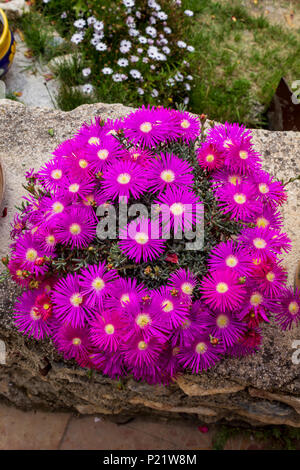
(263, 389)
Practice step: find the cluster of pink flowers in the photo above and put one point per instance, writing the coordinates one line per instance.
(120, 326)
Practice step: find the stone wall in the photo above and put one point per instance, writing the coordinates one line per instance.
(262, 389)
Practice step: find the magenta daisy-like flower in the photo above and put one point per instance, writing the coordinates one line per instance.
(30, 255)
(172, 310)
(180, 209)
(18, 274)
(140, 240)
(256, 307)
(95, 281)
(52, 173)
(209, 157)
(241, 158)
(52, 206)
(268, 218)
(69, 301)
(148, 127)
(76, 227)
(270, 277)
(29, 317)
(47, 239)
(263, 243)
(107, 330)
(288, 314)
(168, 170)
(230, 255)
(189, 125)
(124, 179)
(226, 327)
(143, 320)
(239, 201)
(105, 153)
(222, 290)
(183, 281)
(75, 188)
(139, 352)
(224, 135)
(125, 292)
(73, 343)
(269, 191)
(200, 355)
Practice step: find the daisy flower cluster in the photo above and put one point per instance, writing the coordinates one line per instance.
(136, 46)
(139, 305)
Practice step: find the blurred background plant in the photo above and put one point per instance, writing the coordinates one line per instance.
(233, 56)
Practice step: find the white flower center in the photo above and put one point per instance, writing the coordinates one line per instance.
(259, 243)
(231, 261)
(222, 287)
(31, 254)
(103, 154)
(141, 238)
(98, 283)
(222, 321)
(201, 348)
(243, 154)
(177, 208)
(56, 174)
(75, 229)
(263, 188)
(146, 127)
(293, 308)
(124, 178)
(187, 288)
(240, 198)
(109, 329)
(76, 300)
(185, 124)
(168, 176)
(143, 320)
(74, 188)
(167, 305)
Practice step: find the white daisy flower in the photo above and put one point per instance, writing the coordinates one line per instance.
(87, 88)
(107, 71)
(154, 93)
(142, 39)
(79, 23)
(133, 32)
(181, 44)
(122, 62)
(128, 3)
(117, 77)
(190, 48)
(188, 12)
(64, 15)
(166, 50)
(151, 31)
(186, 100)
(162, 15)
(77, 38)
(86, 72)
(140, 91)
(187, 86)
(91, 20)
(167, 30)
(98, 26)
(135, 74)
(101, 46)
(189, 77)
(134, 59)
